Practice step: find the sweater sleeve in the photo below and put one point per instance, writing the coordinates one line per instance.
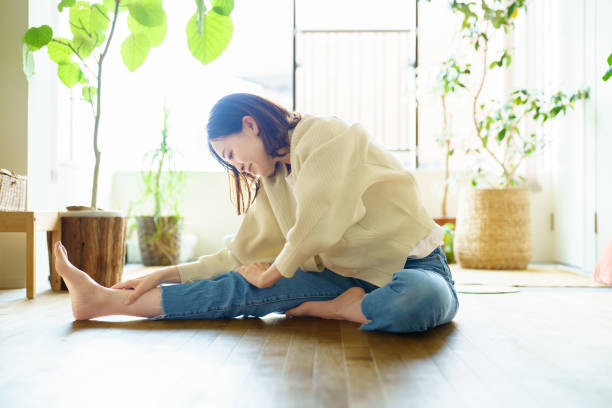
(328, 188)
(258, 238)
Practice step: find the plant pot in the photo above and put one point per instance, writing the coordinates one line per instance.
(95, 242)
(445, 220)
(493, 229)
(159, 239)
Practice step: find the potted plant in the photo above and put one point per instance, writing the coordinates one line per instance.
(493, 228)
(448, 80)
(159, 234)
(80, 60)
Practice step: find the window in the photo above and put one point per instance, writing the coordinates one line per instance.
(358, 63)
(353, 58)
(257, 60)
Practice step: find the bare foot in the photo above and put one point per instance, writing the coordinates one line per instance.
(347, 306)
(85, 293)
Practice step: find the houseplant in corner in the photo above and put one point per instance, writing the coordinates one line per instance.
(494, 224)
(159, 235)
(448, 81)
(95, 239)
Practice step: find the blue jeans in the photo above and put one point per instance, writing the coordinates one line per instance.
(420, 296)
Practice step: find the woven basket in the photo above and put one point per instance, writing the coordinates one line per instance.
(12, 191)
(493, 229)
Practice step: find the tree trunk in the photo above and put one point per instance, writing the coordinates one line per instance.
(95, 245)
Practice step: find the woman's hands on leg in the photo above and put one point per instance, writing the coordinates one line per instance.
(144, 283)
(259, 274)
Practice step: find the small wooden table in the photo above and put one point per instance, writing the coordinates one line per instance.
(30, 222)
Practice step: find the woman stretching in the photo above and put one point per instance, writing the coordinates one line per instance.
(333, 227)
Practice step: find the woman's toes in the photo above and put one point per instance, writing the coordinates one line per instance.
(61, 261)
(62, 250)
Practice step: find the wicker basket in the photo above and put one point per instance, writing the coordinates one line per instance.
(12, 191)
(493, 229)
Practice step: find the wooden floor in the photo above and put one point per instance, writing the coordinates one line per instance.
(536, 348)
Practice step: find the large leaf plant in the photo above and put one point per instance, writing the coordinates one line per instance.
(80, 59)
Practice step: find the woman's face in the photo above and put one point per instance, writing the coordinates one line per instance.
(246, 151)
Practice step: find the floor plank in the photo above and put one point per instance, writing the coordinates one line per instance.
(536, 348)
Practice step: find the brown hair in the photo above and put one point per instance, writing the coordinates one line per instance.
(273, 122)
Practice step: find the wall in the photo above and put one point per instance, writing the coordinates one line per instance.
(29, 139)
(600, 36)
(13, 119)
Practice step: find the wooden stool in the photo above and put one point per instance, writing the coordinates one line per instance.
(30, 222)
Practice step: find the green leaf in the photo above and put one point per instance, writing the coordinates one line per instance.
(70, 74)
(99, 19)
(213, 41)
(109, 5)
(149, 13)
(59, 51)
(88, 24)
(610, 59)
(511, 10)
(608, 74)
(135, 50)
(27, 58)
(83, 45)
(88, 19)
(65, 3)
(89, 92)
(223, 7)
(37, 37)
(155, 34)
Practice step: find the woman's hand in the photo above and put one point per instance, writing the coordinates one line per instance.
(140, 285)
(259, 274)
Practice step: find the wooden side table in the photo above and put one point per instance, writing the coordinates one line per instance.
(30, 222)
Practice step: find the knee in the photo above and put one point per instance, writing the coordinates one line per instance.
(421, 302)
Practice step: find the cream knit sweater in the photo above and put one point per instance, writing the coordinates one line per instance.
(354, 209)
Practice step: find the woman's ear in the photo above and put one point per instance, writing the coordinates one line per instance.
(248, 122)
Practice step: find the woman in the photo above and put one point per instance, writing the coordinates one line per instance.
(333, 227)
